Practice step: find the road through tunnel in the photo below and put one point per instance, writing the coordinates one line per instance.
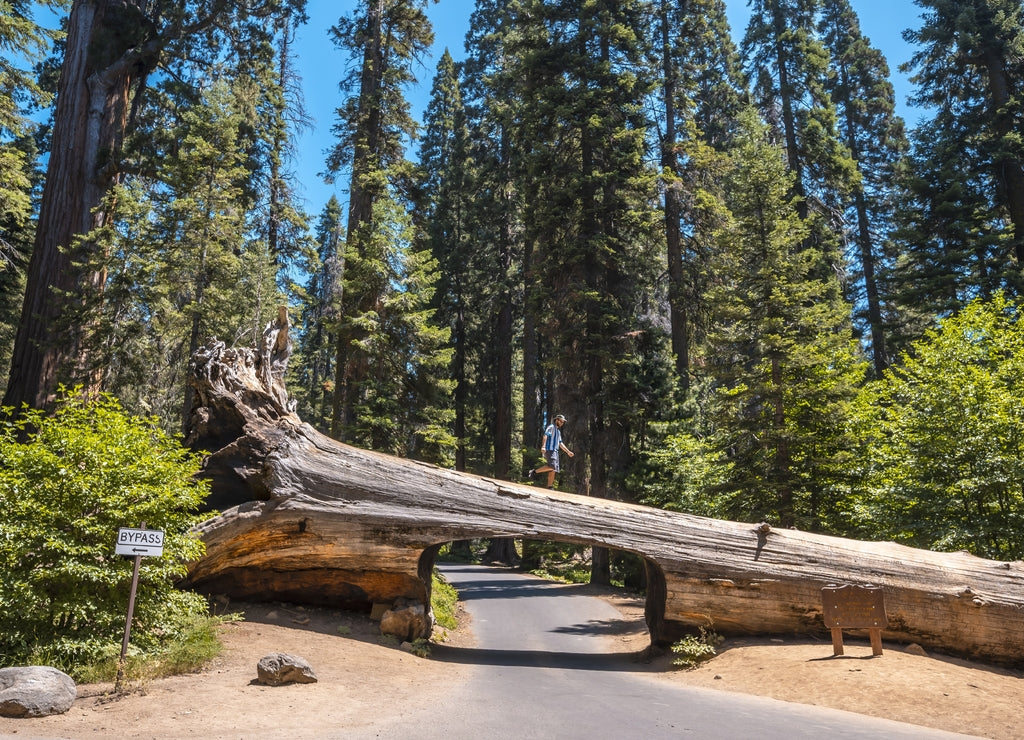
(568, 564)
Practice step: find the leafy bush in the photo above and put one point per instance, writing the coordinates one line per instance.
(68, 481)
(696, 649)
(942, 465)
(420, 648)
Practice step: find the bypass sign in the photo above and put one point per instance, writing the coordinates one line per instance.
(139, 542)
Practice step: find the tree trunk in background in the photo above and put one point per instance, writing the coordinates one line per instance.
(106, 62)
(531, 363)
(504, 337)
(678, 325)
(1009, 168)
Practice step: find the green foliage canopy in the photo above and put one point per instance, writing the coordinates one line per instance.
(68, 481)
(943, 459)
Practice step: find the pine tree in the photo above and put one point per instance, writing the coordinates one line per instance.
(373, 123)
(313, 368)
(873, 134)
(402, 405)
(701, 82)
(959, 235)
(593, 225)
(446, 201)
(951, 243)
(503, 340)
(497, 102)
(275, 115)
(789, 68)
(785, 364)
(970, 69)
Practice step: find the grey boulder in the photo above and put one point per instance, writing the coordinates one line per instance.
(277, 669)
(35, 691)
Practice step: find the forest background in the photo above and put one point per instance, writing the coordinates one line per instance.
(754, 291)
(882, 22)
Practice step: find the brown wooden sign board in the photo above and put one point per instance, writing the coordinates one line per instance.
(854, 607)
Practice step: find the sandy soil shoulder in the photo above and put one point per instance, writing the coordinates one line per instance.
(345, 649)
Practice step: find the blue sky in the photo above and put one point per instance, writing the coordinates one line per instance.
(321, 66)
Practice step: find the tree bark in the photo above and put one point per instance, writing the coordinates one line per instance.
(106, 61)
(678, 316)
(309, 519)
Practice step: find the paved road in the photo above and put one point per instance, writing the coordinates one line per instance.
(541, 669)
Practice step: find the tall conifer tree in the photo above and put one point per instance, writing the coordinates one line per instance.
(592, 221)
(389, 388)
(789, 69)
(494, 101)
(318, 317)
(447, 192)
(785, 363)
(381, 39)
(701, 83)
(965, 234)
(873, 134)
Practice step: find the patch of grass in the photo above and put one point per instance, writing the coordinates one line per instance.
(196, 645)
(444, 601)
(564, 572)
(420, 648)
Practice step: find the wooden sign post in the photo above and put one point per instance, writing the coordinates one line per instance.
(854, 607)
(135, 543)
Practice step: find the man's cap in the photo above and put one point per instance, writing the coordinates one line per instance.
(559, 418)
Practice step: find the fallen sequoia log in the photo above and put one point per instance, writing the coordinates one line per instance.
(312, 520)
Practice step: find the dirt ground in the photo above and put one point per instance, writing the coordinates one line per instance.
(374, 677)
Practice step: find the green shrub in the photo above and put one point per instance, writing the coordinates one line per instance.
(695, 649)
(444, 601)
(68, 482)
(420, 648)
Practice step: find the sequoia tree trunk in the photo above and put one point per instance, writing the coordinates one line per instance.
(106, 62)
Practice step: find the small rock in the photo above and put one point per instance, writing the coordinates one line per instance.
(35, 691)
(915, 649)
(278, 669)
(406, 620)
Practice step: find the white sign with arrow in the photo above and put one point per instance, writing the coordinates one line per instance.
(140, 542)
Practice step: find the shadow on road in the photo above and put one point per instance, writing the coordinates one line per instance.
(620, 662)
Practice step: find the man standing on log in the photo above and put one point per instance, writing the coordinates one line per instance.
(551, 446)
